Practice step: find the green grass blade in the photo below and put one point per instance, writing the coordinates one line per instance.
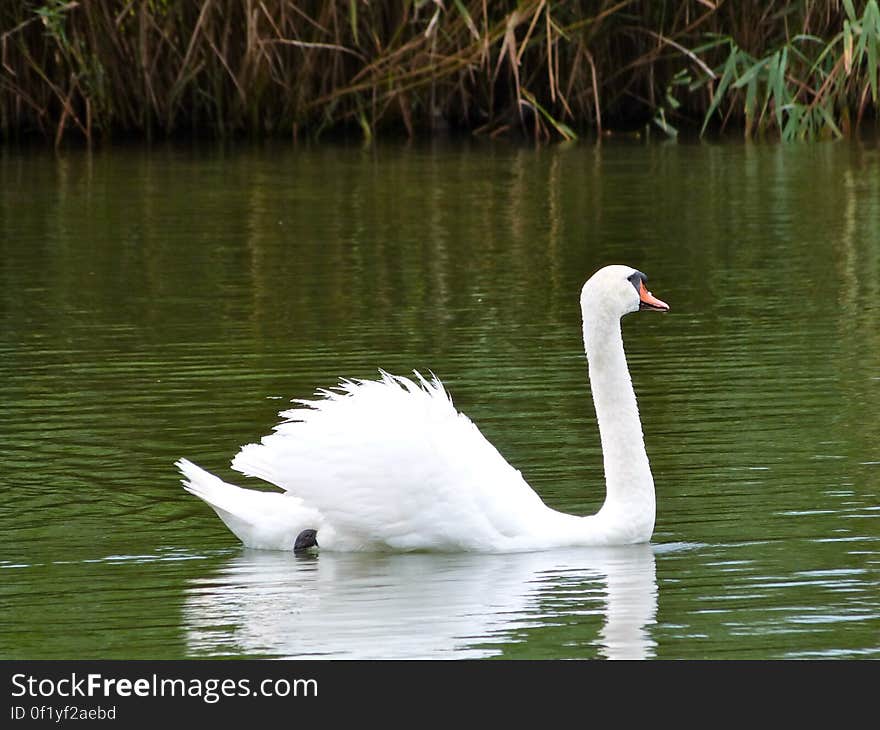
(794, 114)
(863, 40)
(871, 31)
(829, 120)
(826, 52)
(708, 46)
(726, 77)
(750, 74)
(468, 21)
(775, 84)
(566, 132)
(807, 37)
(660, 121)
(751, 98)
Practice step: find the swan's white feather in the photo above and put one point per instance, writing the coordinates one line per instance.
(267, 520)
(391, 463)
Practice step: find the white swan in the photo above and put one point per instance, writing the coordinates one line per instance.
(391, 465)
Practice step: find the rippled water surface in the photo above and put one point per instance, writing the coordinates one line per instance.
(164, 302)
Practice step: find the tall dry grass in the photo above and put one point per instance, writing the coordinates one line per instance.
(90, 68)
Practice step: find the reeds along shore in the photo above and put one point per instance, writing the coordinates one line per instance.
(549, 70)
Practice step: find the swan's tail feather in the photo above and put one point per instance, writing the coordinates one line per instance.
(267, 520)
(206, 486)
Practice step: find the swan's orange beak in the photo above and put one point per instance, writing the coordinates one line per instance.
(649, 301)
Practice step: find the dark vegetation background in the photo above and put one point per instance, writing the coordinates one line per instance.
(93, 68)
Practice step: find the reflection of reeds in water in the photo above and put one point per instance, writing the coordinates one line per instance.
(857, 260)
(798, 70)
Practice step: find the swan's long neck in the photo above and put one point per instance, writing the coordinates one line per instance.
(629, 484)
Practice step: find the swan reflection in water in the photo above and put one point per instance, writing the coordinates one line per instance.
(424, 606)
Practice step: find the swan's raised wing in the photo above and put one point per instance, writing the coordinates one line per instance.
(392, 463)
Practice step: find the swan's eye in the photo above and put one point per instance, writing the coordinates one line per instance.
(637, 278)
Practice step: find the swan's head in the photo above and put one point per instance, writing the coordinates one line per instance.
(617, 290)
(306, 540)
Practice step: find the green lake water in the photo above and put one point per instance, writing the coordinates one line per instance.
(166, 302)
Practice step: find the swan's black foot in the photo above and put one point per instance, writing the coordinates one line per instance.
(305, 540)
